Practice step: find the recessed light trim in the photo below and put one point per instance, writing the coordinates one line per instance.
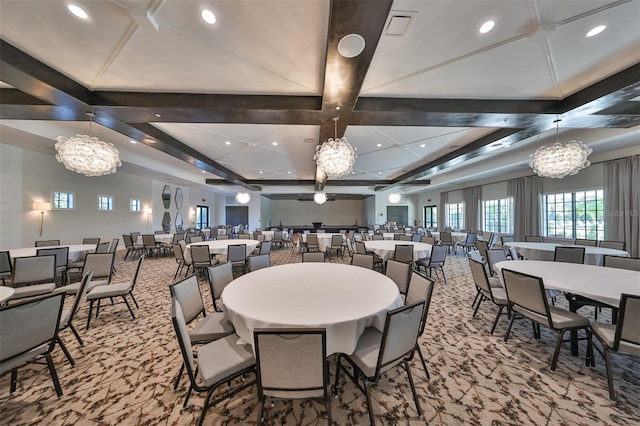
(595, 31)
(486, 27)
(261, 172)
(227, 143)
(351, 45)
(77, 11)
(209, 17)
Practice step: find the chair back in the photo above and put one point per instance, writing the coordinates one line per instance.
(177, 237)
(259, 261)
(237, 253)
(220, 276)
(416, 238)
(404, 237)
(493, 241)
(630, 263)
(470, 239)
(114, 245)
(586, 243)
(399, 272)
(482, 246)
(200, 254)
(265, 247)
(616, 245)
(81, 295)
(291, 363)
(243, 237)
(445, 237)
(360, 247)
(5, 262)
(533, 239)
(480, 279)
(428, 240)
(377, 237)
(420, 288)
(27, 325)
(527, 292)
(135, 235)
(506, 239)
(569, 254)
(277, 236)
(187, 293)
(260, 238)
(438, 255)
(149, 241)
(219, 237)
(494, 256)
(137, 273)
(514, 253)
(399, 335)
(103, 247)
(100, 263)
(336, 241)
(91, 241)
(34, 269)
(47, 243)
(316, 256)
(312, 239)
(128, 241)
(61, 254)
(195, 239)
(628, 325)
(184, 339)
(364, 260)
(177, 252)
(403, 253)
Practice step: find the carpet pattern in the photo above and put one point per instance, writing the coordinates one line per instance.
(124, 372)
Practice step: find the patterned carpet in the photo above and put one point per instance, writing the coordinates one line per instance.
(125, 369)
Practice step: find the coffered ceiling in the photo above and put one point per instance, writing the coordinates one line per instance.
(244, 102)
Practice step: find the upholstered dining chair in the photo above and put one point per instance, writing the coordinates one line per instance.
(62, 259)
(624, 336)
(28, 332)
(66, 319)
(6, 267)
(420, 288)
(363, 260)
(569, 254)
(616, 245)
(630, 263)
(201, 258)
(482, 247)
(527, 297)
(102, 266)
(91, 241)
(434, 262)
(47, 243)
(133, 248)
(496, 295)
(291, 364)
(469, 243)
(403, 253)
(494, 256)
(214, 364)
(114, 290)
(258, 261)
(237, 255)
(336, 245)
(586, 243)
(178, 253)
(220, 276)
(312, 243)
(428, 240)
(506, 239)
(377, 352)
(316, 256)
(33, 276)
(447, 241)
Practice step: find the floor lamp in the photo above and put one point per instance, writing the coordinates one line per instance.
(43, 207)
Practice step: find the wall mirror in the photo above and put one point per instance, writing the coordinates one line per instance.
(166, 197)
(178, 221)
(178, 200)
(166, 220)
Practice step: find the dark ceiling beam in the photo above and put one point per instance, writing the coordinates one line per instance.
(176, 148)
(18, 97)
(307, 182)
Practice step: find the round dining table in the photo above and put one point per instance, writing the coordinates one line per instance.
(343, 299)
(546, 251)
(391, 235)
(221, 246)
(385, 249)
(324, 239)
(268, 235)
(456, 237)
(76, 251)
(5, 292)
(160, 238)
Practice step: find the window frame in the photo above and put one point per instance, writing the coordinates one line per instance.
(459, 210)
(110, 203)
(501, 204)
(138, 205)
(434, 216)
(71, 200)
(576, 225)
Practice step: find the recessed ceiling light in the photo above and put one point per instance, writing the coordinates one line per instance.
(486, 27)
(351, 45)
(132, 141)
(78, 11)
(274, 143)
(379, 173)
(261, 172)
(288, 173)
(422, 145)
(204, 171)
(209, 17)
(227, 143)
(595, 31)
(158, 115)
(379, 145)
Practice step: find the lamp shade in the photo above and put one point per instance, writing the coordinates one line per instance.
(42, 206)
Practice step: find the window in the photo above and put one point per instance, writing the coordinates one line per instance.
(63, 200)
(575, 214)
(455, 215)
(105, 202)
(430, 216)
(135, 205)
(496, 215)
(202, 217)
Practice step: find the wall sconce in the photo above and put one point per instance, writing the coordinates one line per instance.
(42, 207)
(148, 212)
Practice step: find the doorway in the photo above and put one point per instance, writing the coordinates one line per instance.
(237, 215)
(202, 217)
(398, 214)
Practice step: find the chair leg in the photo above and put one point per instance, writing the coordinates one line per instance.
(54, 375)
(14, 380)
(75, 332)
(205, 407)
(335, 383)
(178, 377)
(134, 300)
(129, 306)
(260, 411)
(413, 389)
(554, 360)
(607, 360)
(424, 364)
(66, 352)
(89, 316)
(367, 394)
(506, 334)
(475, 311)
(495, 321)
(475, 300)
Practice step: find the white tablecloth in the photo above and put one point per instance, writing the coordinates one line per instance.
(390, 235)
(5, 292)
(160, 238)
(76, 251)
(385, 249)
(324, 240)
(221, 246)
(456, 237)
(268, 235)
(546, 251)
(595, 282)
(344, 299)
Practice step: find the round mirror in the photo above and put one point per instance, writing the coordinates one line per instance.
(166, 198)
(178, 200)
(166, 221)
(178, 221)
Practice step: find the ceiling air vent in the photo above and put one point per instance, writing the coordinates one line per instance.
(398, 23)
(231, 199)
(309, 140)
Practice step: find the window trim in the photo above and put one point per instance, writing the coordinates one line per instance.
(73, 200)
(112, 202)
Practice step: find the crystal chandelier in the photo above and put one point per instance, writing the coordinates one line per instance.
(335, 157)
(560, 160)
(243, 197)
(87, 155)
(319, 198)
(394, 198)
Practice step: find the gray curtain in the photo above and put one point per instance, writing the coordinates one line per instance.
(622, 202)
(525, 193)
(442, 212)
(472, 198)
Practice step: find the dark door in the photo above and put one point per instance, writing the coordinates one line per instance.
(202, 217)
(398, 214)
(237, 215)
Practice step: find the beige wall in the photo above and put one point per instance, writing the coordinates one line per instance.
(338, 213)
